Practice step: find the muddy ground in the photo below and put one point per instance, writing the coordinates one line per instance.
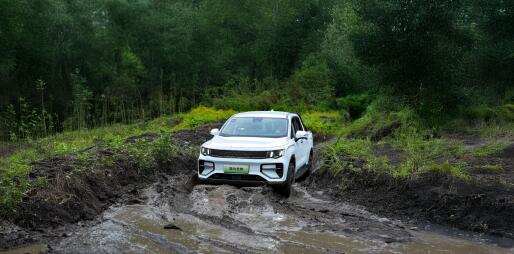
(484, 203)
(71, 196)
(123, 210)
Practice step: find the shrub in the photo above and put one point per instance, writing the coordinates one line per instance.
(446, 168)
(505, 112)
(355, 105)
(163, 148)
(421, 150)
(377, 124)
(328, 123)
(487, 113)
(313, 85)
(201, 115)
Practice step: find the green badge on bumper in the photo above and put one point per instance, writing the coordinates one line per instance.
(236, 169)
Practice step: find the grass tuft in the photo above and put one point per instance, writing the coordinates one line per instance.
(327, 123)
(456, 170)
(200, 116)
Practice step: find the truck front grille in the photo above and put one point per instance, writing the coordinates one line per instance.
(239, 154)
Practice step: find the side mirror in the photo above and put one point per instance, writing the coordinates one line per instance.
(301, 135)
(215, 132)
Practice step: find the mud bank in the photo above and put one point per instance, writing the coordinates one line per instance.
(482, 204)
(175, 216)
(76, 193)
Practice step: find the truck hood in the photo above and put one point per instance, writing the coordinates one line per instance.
(246, 143)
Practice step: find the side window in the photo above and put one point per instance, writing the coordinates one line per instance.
(293, 132)
(302, 124)
(298, 126)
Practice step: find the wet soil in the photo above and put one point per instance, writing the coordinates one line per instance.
(176, 216)
(74, 193)
(485, 203)
(127, 211)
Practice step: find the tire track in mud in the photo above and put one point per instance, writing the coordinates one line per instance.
(175, 215)
(226, 218)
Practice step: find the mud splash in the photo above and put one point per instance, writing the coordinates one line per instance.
(226, 219)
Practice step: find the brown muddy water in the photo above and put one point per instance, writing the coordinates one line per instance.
(169, 218)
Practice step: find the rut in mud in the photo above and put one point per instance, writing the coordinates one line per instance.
(226, 218)
(176, 216)
(168, 212)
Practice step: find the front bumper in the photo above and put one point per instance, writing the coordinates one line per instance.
(259, 170)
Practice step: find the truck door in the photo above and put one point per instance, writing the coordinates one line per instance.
(301, 144)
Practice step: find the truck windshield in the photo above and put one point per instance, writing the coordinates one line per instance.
(255, 127)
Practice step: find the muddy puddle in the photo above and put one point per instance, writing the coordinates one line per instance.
(226, 219)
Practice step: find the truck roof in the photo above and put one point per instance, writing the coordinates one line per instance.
(275, 114)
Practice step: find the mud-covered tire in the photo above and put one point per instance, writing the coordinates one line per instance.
(285, 188)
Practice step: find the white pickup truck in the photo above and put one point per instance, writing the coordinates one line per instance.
(257, 148)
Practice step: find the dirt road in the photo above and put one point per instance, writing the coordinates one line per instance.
(173, 214)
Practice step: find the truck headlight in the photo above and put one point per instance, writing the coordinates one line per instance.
(275, 154)
(205, 151)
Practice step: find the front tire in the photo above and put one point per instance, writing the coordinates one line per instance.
(285, 188)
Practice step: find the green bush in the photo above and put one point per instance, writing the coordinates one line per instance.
(247, 102)
(354, 104)
(505, 112)
(422, 150)
(487, 113)
(455, 170)
(377, 124)
(164, 148)
(312, 85)
(328, 123)
(201, 115)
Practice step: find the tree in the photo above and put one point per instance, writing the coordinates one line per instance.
(40, 86)
(417, 48)
(495, 55)
(81, 101)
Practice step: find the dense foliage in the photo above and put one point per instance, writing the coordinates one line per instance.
(68, 64)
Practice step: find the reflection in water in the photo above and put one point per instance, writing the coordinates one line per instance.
(256, 227)
(32, 248)
(211, 225)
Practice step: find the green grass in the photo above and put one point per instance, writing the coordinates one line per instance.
(495, 130)
(493, 168)
(457, 170)
(422, 151)
(328, 123)
(500, 113)
(375, 124)
(200, 116)
(14, 180)
(418, 156)
(490, 149)
(341, 155)
(418, 149)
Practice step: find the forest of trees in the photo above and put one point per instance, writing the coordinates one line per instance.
(71, 64)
